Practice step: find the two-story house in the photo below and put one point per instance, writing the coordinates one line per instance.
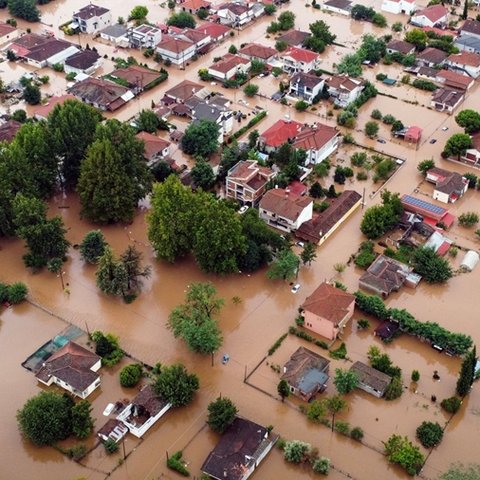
(91, 19)
(236, 14)
(246, 182)
(465, 62)
(256, 51)
(449, 186)
(435, 15)
(177, 50)
(284, 210)
(280, 132)
(343, 89)
(306, 86)
(431, 57)
(319, 142)
(296, 59)
(399, 6)
(229, 66)
(144, 36)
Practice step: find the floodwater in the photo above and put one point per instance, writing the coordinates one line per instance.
(264, 314)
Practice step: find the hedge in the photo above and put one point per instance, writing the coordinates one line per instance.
(250, 124)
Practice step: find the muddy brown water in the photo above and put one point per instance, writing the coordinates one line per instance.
(266, 310)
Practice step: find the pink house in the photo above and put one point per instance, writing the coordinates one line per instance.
(327, 310)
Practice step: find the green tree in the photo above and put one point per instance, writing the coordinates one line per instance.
(469, 120)
(321, 30)
(72, 128)
(376, 114)
(25, 9)
(400, 450)
(202, 175)
(221, 414)
(334, 405)
(351, 65)
(270, 9)
(147, 121)
(281, 45)
(139, 12)
(309, 253)
(467, 373)
(379, 219)
(468, 219)
(131, 260)
(372, 48)
(371, 129)
(296, 451)
(451, 404)
(232, 49)
(430, 434)
(283, 389)
(433, 268)
(286, 20)
(316, 190)
(31, 94)
(415, 376)
(82, 422)
(285, 266)
(15, 293)
(194, 320)
(394, 389)
(257, 67)
(181, 20)
(397, 27)
(417, 37)
(253, 137)
(316, 411)
(130, 375)
(321, 465)
(379, 20)
(170, 219)
(457, 145)
(93, 246)
(345, 380)
(425, 165)
(301, 105)
(175, 385)
(201, 138)
(458, 471)
(250, 90)
(111, 275)
(46, 418)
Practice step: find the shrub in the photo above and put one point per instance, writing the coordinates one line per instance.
(361, 176)
(363, 324)
(342, 428)
(468, 219)
(415, 376)
(321, 465)
(366, 255)
(376, 114)
(358, 159)
(130, 375)
(3, 292)
(388, 119)
(340, 352)
(357, 434)
(277, 344)
(111, 446)
(301, 105)
(77, 452)
(16, 293)
(296, 451)
(106, 346)
(451, 405)
(250, 90)
(175, 463)
(221, 414)
(395, 389)
(430, 434)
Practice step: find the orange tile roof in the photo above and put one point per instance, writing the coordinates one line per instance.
(280, 132)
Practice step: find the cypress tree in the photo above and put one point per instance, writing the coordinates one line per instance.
(467, 373)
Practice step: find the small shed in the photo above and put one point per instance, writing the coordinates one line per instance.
(413, 134)
(389, 81)
(470, 260)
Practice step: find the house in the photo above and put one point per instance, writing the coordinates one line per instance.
(285, 211)
(137, 78)
(294, 38)
(177, 50)
(229, 66)
(446, 99)
(413, 134)
(306, 373)
(454, 80)
(384, 276)
(143, 411)
(91, 19)
(86, 61)
(327, 310)
(202, 41)
(215, 31)
(306, 86)
(156, 148)
(323, 225)
(73, 368)
(240, 450)
(102, 94)
(280, 132)
(343, 89)
(255, 51)
(465, 62)
(237, 14)
(370, 379)
(112, 430)
(193, 6)
(472, 155)
(318, 140)
(430, 57)
(115, 34)
(342, 7)
(435, 15)
(184, 90)
(399, 6)
(296, 59)
(8, 33)
(468, 43)
(449, 186)
(431, 214)
(41, 112)
(8, 130)
(471, 28)
(400, 46)
(213, 111)
(143, 36)
(246, 182)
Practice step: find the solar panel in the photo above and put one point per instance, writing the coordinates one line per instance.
(416, 202)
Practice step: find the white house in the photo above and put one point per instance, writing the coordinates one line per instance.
(155, 148)
(208, 110)
(306, 86)
(91, 19)
(229, 66)
(449, 186)
(435, 15)
(73, 368)
(86, 62)
(466, 63)
(285, 211)
(115, 34)
(143, 412)
(342, 7)
(399, 6)
(8, 33)
(143, 36)
(343, 89)
(446, 99)
(236, 14)
(471, 28)
(319, 141)
(51, 52)
(300, 60)
(177, 50)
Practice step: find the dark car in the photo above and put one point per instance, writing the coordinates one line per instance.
(433, 140)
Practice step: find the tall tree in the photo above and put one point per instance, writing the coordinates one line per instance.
(202, 175)
(175, 385)
(201, 138)
(82, 422)
(111, 274)
(469, 120)
(334, 405)
(93, 246)
(25, 9)
(285, 266)
(283, 389)
(72, 127)
(467, 373)
(221, 414)
(309, 253)
(457, 145)
(345, 380)
(132, 262)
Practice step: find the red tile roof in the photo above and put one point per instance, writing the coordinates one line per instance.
(215, 30)
(153, 144)
(195, 4)
(280, 132)
(455, 80)
(434, 13)
(301, 55)
(257, 50)
(314, 138)
(286, 205)
(5, 29)
(465, 58)
(228, 62)
(8, 130)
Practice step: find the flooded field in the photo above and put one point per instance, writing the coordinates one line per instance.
(266, 310)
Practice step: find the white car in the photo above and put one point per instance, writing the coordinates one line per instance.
(301, 244)
(444, 129)
(296, 288)
(243, 209)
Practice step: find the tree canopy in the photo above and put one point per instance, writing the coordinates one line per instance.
(469, 120)
(201, 138)
(285, 266)
(433, 268)
(345, 380)
(221, 414)
(401, 450)
(25, 9)
(175, 385)
(379, 219)
(467, 373)
(93, 246)
(457, 145)
(181, 20)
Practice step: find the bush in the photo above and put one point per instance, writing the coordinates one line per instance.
(174, 463)
(130, 375)
(3, 292)
(342, 428)
(357, 434)
(77, 452)
(395, 389)
(340, 353)
(468, 219)
(415, 376)
(16, 293)
(321, 465)
(366, 255)
(277, 344)
(296, 451)
(362, 176)
(363, 324)
(301, 106)
(424, 85)
(250, 90)
(358, 159)
(451, 405)
(111, 446)
(106, 346)
(429, 434)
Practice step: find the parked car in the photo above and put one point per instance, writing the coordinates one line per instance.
(381, 140)
(444, 129)
(243, 209)
(301, 244)
(296, 288)
(433, 140)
